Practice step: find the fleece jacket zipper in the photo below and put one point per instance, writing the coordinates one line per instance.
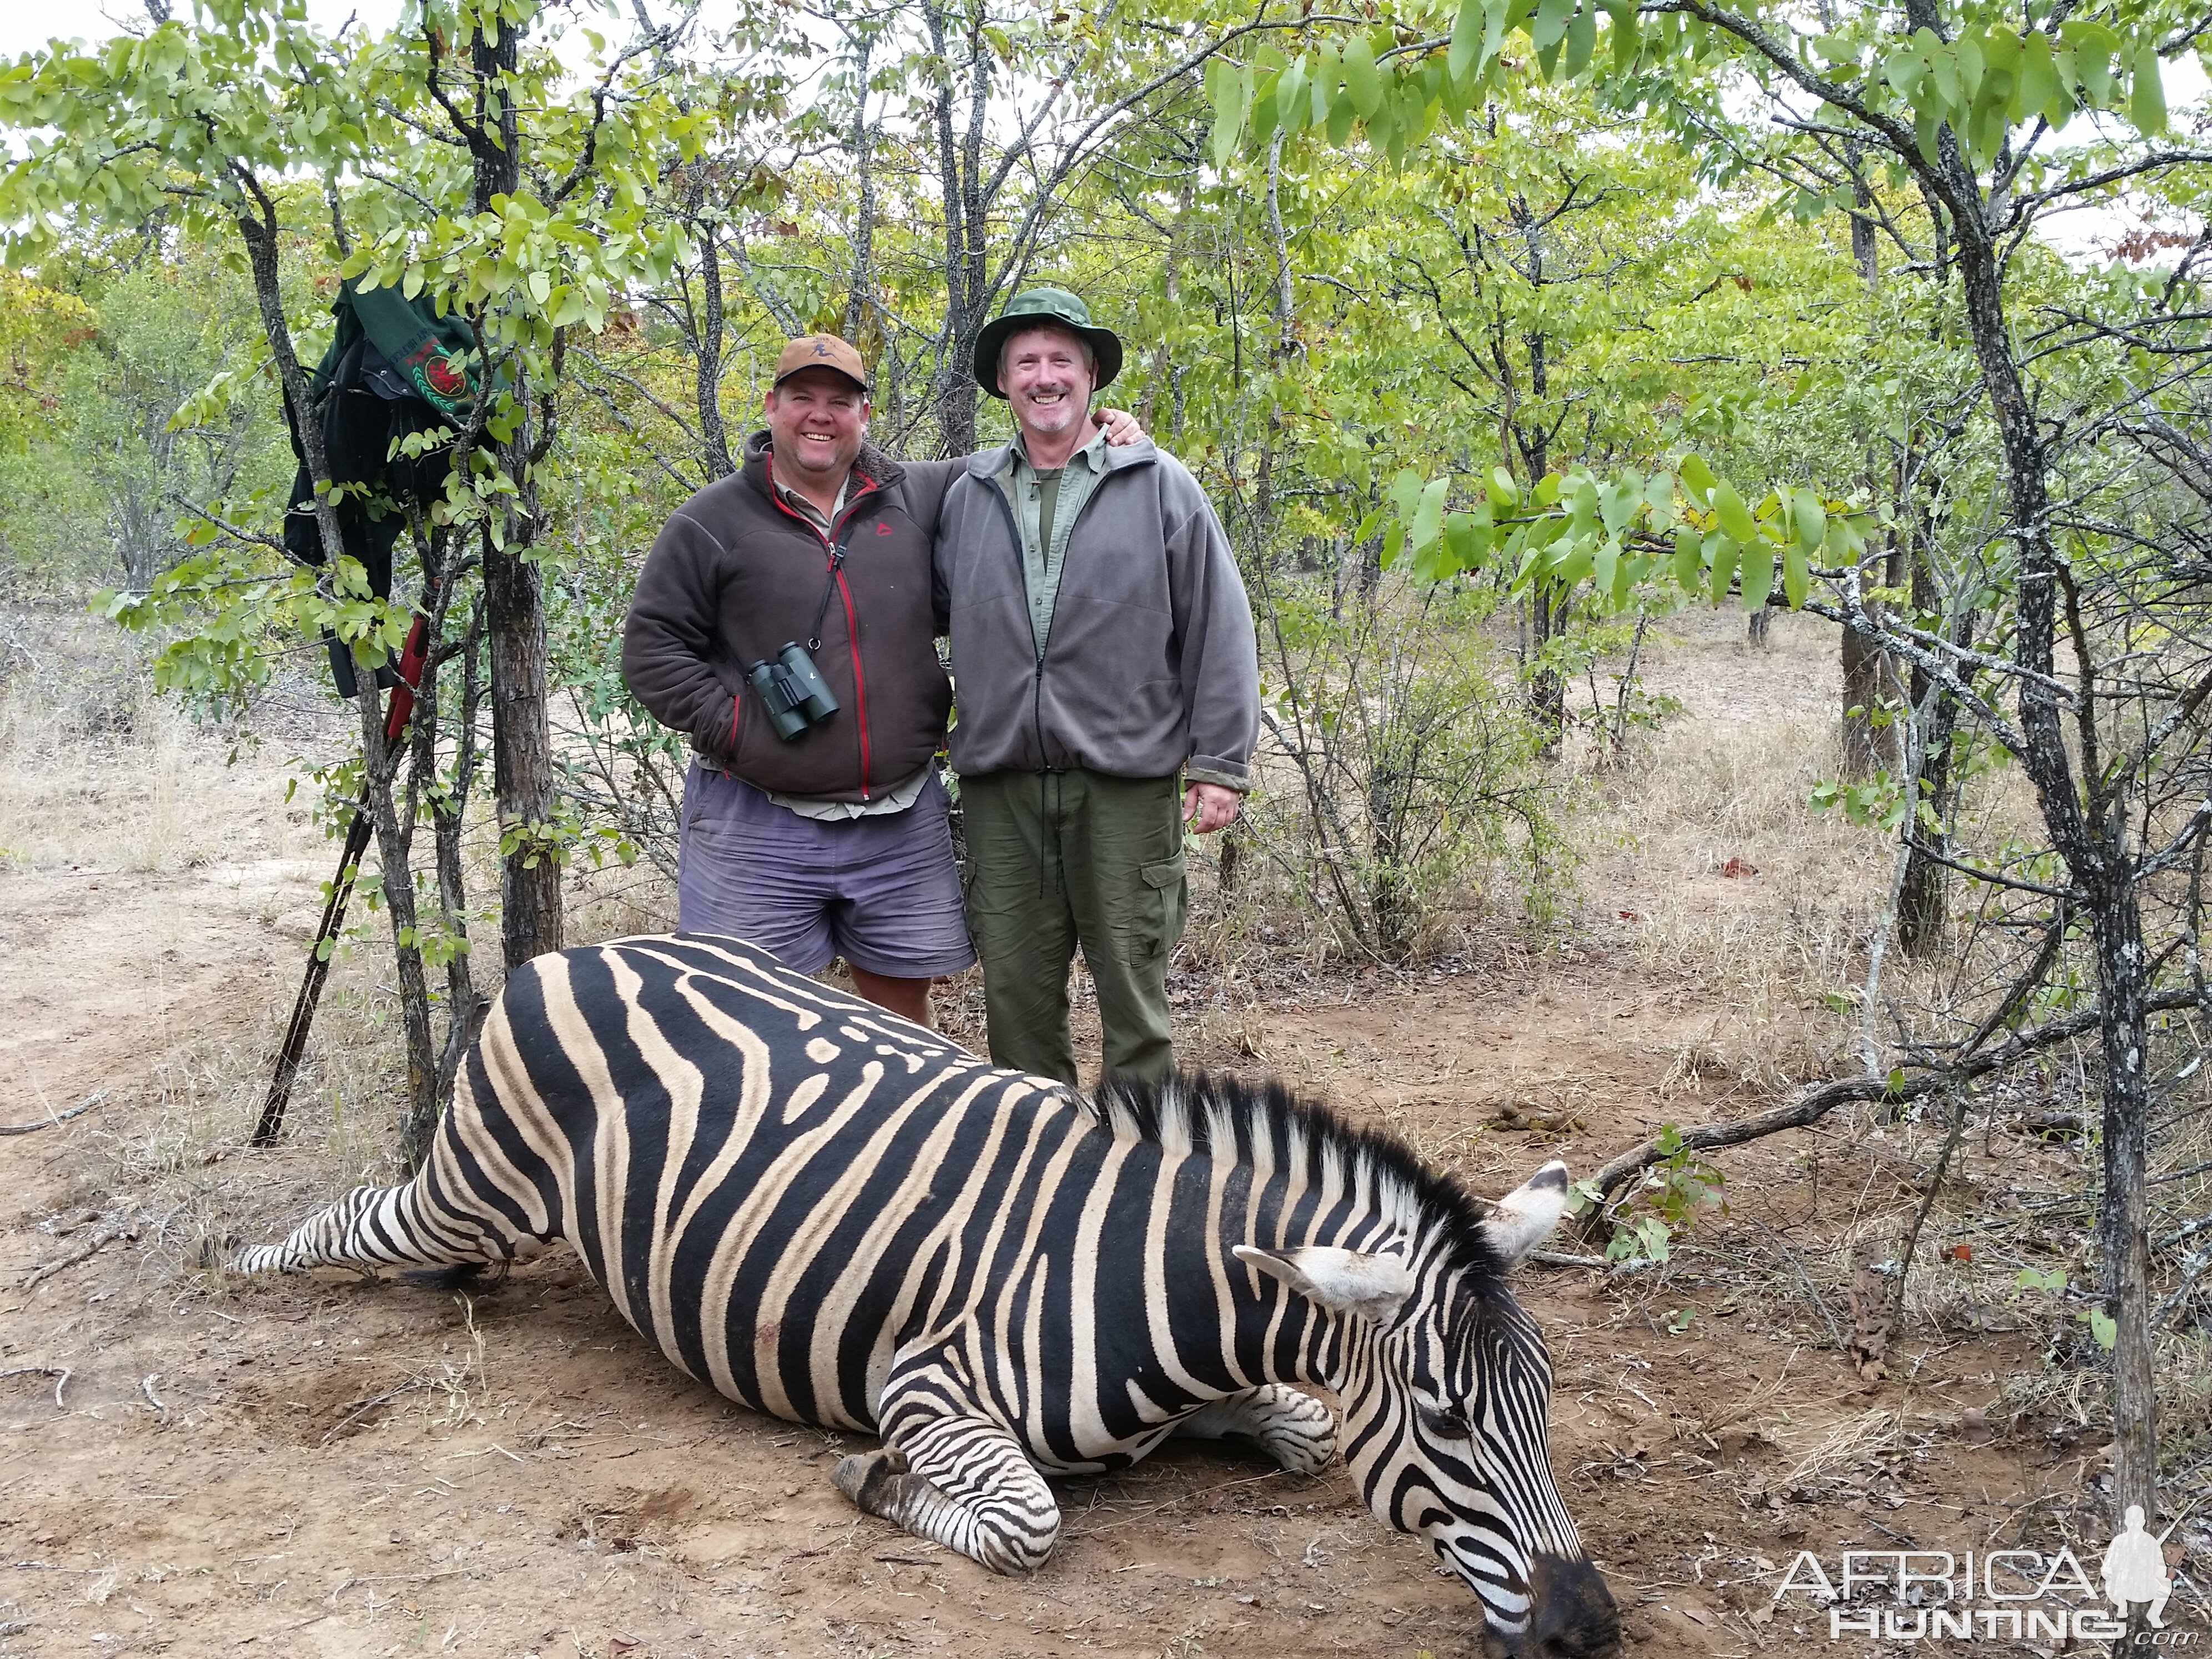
(852, 622)
(1014, 529)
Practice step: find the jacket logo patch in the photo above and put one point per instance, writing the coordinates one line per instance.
(882, 529)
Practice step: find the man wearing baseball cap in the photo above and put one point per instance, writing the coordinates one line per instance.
(1108, 683)
(816, 828)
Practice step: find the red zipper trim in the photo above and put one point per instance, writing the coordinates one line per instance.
(852, 623)
(860, 680)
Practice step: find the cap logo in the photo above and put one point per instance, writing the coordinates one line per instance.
(821, 348)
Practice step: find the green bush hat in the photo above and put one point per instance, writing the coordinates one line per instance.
(1044, 305)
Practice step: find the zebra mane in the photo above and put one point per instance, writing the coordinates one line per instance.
(1268, 1128)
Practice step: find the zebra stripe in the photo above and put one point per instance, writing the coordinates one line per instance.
(838, 1218)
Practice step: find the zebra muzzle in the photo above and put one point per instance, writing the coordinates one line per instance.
(1573, 1615)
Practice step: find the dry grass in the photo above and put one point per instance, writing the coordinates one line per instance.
(1728, 880)
(101, 772)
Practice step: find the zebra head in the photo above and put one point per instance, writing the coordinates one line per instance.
(1445, 1387)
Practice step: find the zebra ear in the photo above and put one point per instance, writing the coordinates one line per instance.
(1524, 1217)
(1369, 1287)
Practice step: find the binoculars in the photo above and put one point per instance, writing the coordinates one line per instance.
(791, 691)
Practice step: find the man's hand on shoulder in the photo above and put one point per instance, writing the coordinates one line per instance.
(1118, 425)
(1211, 806)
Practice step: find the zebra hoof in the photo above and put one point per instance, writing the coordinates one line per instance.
(871, 1479)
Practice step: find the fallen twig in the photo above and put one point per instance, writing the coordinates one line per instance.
(1564, 1259)
(77, 1110)
(1817, 1103)
(1819, 1302)
(92, 1246)
(61, 1374)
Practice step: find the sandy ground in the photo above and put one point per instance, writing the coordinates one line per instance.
(337, 1468)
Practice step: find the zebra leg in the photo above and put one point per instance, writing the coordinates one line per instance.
(1294, 1428)
(961, 1482)
(374, 1227)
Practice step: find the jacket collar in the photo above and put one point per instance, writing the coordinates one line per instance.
(872, 470)
(992, 463)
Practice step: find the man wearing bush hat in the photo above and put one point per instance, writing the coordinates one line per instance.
(1107, 681)
(827, 835)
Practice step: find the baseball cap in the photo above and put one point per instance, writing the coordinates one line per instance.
(821, 351)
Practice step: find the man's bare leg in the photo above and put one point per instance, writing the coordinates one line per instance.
(907, 998)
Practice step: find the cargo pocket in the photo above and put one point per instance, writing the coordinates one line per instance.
(1160, 909)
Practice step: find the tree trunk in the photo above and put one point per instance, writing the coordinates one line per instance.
(514, 608)
(1869, 679)
(448, 809)
(713, 436)
(1922, 898)
(862, 284)
(2123, 1219)
(2096, 853)
(960, 161)
(1548, 688)
(1162, 372)
(1869, 675)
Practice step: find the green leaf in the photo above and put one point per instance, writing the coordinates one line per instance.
(2093, 48)
(2147, 99)
(1699, 476)
(2038, 78)
(1551, 16)
(1327, 75)
(1502, 490)
(1627, 39)
(1367, 526)
(1227, 87)
(1393, 539)
(1289, 96)
(1724, 550)
(1812, 520)
(1467, 538)
(1758, 573)
(1429, 518)
(1797, 578)
(2101, 1326)
(1736, 518)
(1405, 491)
(1361, 78)
(1342, 115)
(1466, 39)
(1495, 21)
(1688, 558)
(1944, 63)
(1581, 40)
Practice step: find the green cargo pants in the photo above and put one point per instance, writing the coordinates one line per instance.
(1056, 859)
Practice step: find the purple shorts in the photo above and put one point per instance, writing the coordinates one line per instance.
(882, 892)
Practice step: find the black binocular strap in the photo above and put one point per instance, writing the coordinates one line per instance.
(837, 564)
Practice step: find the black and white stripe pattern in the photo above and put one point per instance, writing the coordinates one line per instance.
(839, 1217)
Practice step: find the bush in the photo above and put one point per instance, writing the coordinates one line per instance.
(1402, 785)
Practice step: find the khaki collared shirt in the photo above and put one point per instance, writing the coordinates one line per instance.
(1046, 506)
(813, 515)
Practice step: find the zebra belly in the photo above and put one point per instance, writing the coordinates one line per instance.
(776, 1185)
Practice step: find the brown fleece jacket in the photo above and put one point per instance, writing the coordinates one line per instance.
(736, 573)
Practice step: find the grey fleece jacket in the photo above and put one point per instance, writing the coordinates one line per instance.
(1151, 667)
